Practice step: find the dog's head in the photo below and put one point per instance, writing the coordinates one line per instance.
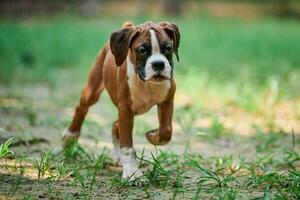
(149, 47)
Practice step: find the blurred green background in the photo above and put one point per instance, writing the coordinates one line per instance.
(245, 53)
(237, 104)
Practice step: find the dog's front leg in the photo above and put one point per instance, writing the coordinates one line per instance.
(127, 152)
(163, 134)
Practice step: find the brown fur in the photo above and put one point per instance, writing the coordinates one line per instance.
(106, 74)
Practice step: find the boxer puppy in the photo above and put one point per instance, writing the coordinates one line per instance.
(136, 68)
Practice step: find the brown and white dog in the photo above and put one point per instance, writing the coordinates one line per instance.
(136, 68)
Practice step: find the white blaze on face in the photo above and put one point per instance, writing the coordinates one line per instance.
(156, 56)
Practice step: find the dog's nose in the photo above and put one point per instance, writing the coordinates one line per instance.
(158, 65)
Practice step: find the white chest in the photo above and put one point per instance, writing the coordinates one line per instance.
(145, 95)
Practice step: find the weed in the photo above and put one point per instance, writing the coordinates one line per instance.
(221, 187)
(165, 169)
(271, 179)
(42, 164)
(209, 175)
(62, 171)
(293, 184)
(266, 141)
(80, 178)
(98, 164)
(291, 157)
(217, 128)
(75, 151)
(120, 182)
(4, 148)
(226, 165)
(28, 197)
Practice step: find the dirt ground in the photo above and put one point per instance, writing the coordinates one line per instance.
(36, 115)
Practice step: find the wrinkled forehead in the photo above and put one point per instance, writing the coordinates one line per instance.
(145, 34)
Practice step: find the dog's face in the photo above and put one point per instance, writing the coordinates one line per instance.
(150, 48)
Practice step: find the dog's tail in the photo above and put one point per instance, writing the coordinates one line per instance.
(95, 85)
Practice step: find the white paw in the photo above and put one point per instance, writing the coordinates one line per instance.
(131, 172)
(68, 136)
(130, 167)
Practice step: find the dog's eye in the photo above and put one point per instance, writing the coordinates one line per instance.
(141, 50)
(168, 49)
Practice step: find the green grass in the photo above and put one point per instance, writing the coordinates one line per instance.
(4, 148)
(41, 165)
(184, 176)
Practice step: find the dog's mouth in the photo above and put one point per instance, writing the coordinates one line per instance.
(158, 78)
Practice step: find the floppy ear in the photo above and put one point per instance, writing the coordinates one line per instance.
(120, 41)
(173, 32)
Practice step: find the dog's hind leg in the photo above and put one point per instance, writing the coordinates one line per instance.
(89, 96)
